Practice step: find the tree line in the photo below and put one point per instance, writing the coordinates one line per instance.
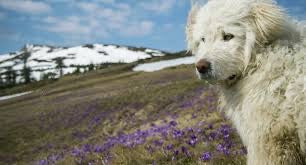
(9, 77)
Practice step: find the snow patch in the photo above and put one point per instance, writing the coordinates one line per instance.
(14, 95)
(155, 66)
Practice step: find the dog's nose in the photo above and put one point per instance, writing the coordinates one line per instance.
(203, 66)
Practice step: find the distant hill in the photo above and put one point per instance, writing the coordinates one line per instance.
(42, 61)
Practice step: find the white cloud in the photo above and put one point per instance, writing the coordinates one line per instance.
(88, 27)
(118, 13)
(159, 6)
(107, 1)
(74, 31)
(89, 7)
(60, 1)
(68, 25)
(29, 6)
(123, 6)
(138, 29)
(95, 21)
(112, 15)
(49, 19)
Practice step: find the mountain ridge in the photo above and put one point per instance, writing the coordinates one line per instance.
(55, 61)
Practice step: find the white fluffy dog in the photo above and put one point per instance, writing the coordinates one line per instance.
(255, 55)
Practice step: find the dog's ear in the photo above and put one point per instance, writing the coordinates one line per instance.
(190, 23)
(268, 19)
(248, 48)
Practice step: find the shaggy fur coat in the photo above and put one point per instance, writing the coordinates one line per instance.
(266, 102)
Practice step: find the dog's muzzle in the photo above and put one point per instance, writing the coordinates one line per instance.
(203, 66)
(204, 70)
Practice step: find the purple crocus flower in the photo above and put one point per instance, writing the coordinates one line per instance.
(190, 129)
(184, 149)
(87, 148)
(192, 142)
(186, 104)
(199, 130)
(169, 147)
(97, 120)
(212, 136)
(158, 143)
(54, 158)
(165, 134)
(76, 152)
(225, 131)
(178, 133)
(226, 152)
(98, 149)
(206, 156)
(173, 123)
(193, 136)
(210, 126)
(220, 147)
(225, 148)
(43, 162)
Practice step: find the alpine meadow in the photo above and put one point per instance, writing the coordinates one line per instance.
(152, 82)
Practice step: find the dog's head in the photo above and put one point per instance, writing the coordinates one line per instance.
(223, 34)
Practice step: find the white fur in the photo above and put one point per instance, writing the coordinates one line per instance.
(266, 101)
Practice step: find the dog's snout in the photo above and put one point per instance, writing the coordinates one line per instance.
(203, 66)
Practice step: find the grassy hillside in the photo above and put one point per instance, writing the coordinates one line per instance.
(115, 116)
(108, 68)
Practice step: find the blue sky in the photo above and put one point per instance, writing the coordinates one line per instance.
(150, 23)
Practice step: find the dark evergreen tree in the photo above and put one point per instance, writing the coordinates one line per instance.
(91, 67)
(10, 76)
(1, 82)
(77, 71)
(1, 79)
(48, 76)
(44, 76)
(26, 71)
(60, 65)
(26, 74)
(25, 56)
(14, 77)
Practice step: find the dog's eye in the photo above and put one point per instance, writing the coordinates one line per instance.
(203, 39)
(227, 37)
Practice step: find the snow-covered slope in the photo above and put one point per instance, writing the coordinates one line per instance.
(14, 95)
(155, 66)
(43, 59)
